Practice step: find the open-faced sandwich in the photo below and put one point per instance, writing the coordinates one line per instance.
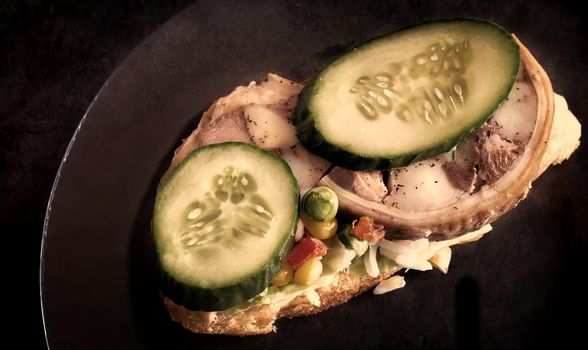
(289, 199)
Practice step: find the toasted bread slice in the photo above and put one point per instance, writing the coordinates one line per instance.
(260, 319)
(280, 95)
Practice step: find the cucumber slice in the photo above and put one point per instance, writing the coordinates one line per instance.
(223, 223)
(408, 95)
(352, 242)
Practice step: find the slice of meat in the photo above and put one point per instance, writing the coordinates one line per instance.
(269, 127)
(421, 186)
(307, 167)
(273, 91)
(422, 202)
(258, 114)
(461, 176)
(516, 114)
(366, 184)
(286, 91)
(229, 127)
(370, 185)
(494, 154)
(482, 159)
(461, 171)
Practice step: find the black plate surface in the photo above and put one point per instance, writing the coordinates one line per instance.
(519, 287)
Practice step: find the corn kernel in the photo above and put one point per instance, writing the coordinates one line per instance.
(320, 229)
(283, 276)
(309, 272)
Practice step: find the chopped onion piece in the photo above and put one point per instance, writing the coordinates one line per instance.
(398, 247)
(420, 244)
(389, 253)
(299, 231)
(406, 260)
(441, 259)
(370, 261)
(411, 260)
(474, 236)
(390, 284)
(421, 265)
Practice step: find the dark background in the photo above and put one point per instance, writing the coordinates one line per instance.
(54, 57)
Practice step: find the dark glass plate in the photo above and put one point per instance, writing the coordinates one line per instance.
(516, 288)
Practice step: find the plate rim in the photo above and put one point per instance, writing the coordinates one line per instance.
(133, 51)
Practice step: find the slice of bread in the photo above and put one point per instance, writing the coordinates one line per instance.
(260, 319)
(280, 93)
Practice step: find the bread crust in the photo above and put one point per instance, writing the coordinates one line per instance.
(260, 319)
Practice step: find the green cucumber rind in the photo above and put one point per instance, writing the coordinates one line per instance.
(202, 299)
(311, 137)
(217, 299)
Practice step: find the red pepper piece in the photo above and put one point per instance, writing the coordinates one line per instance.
(304, 249)
(366, 229)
